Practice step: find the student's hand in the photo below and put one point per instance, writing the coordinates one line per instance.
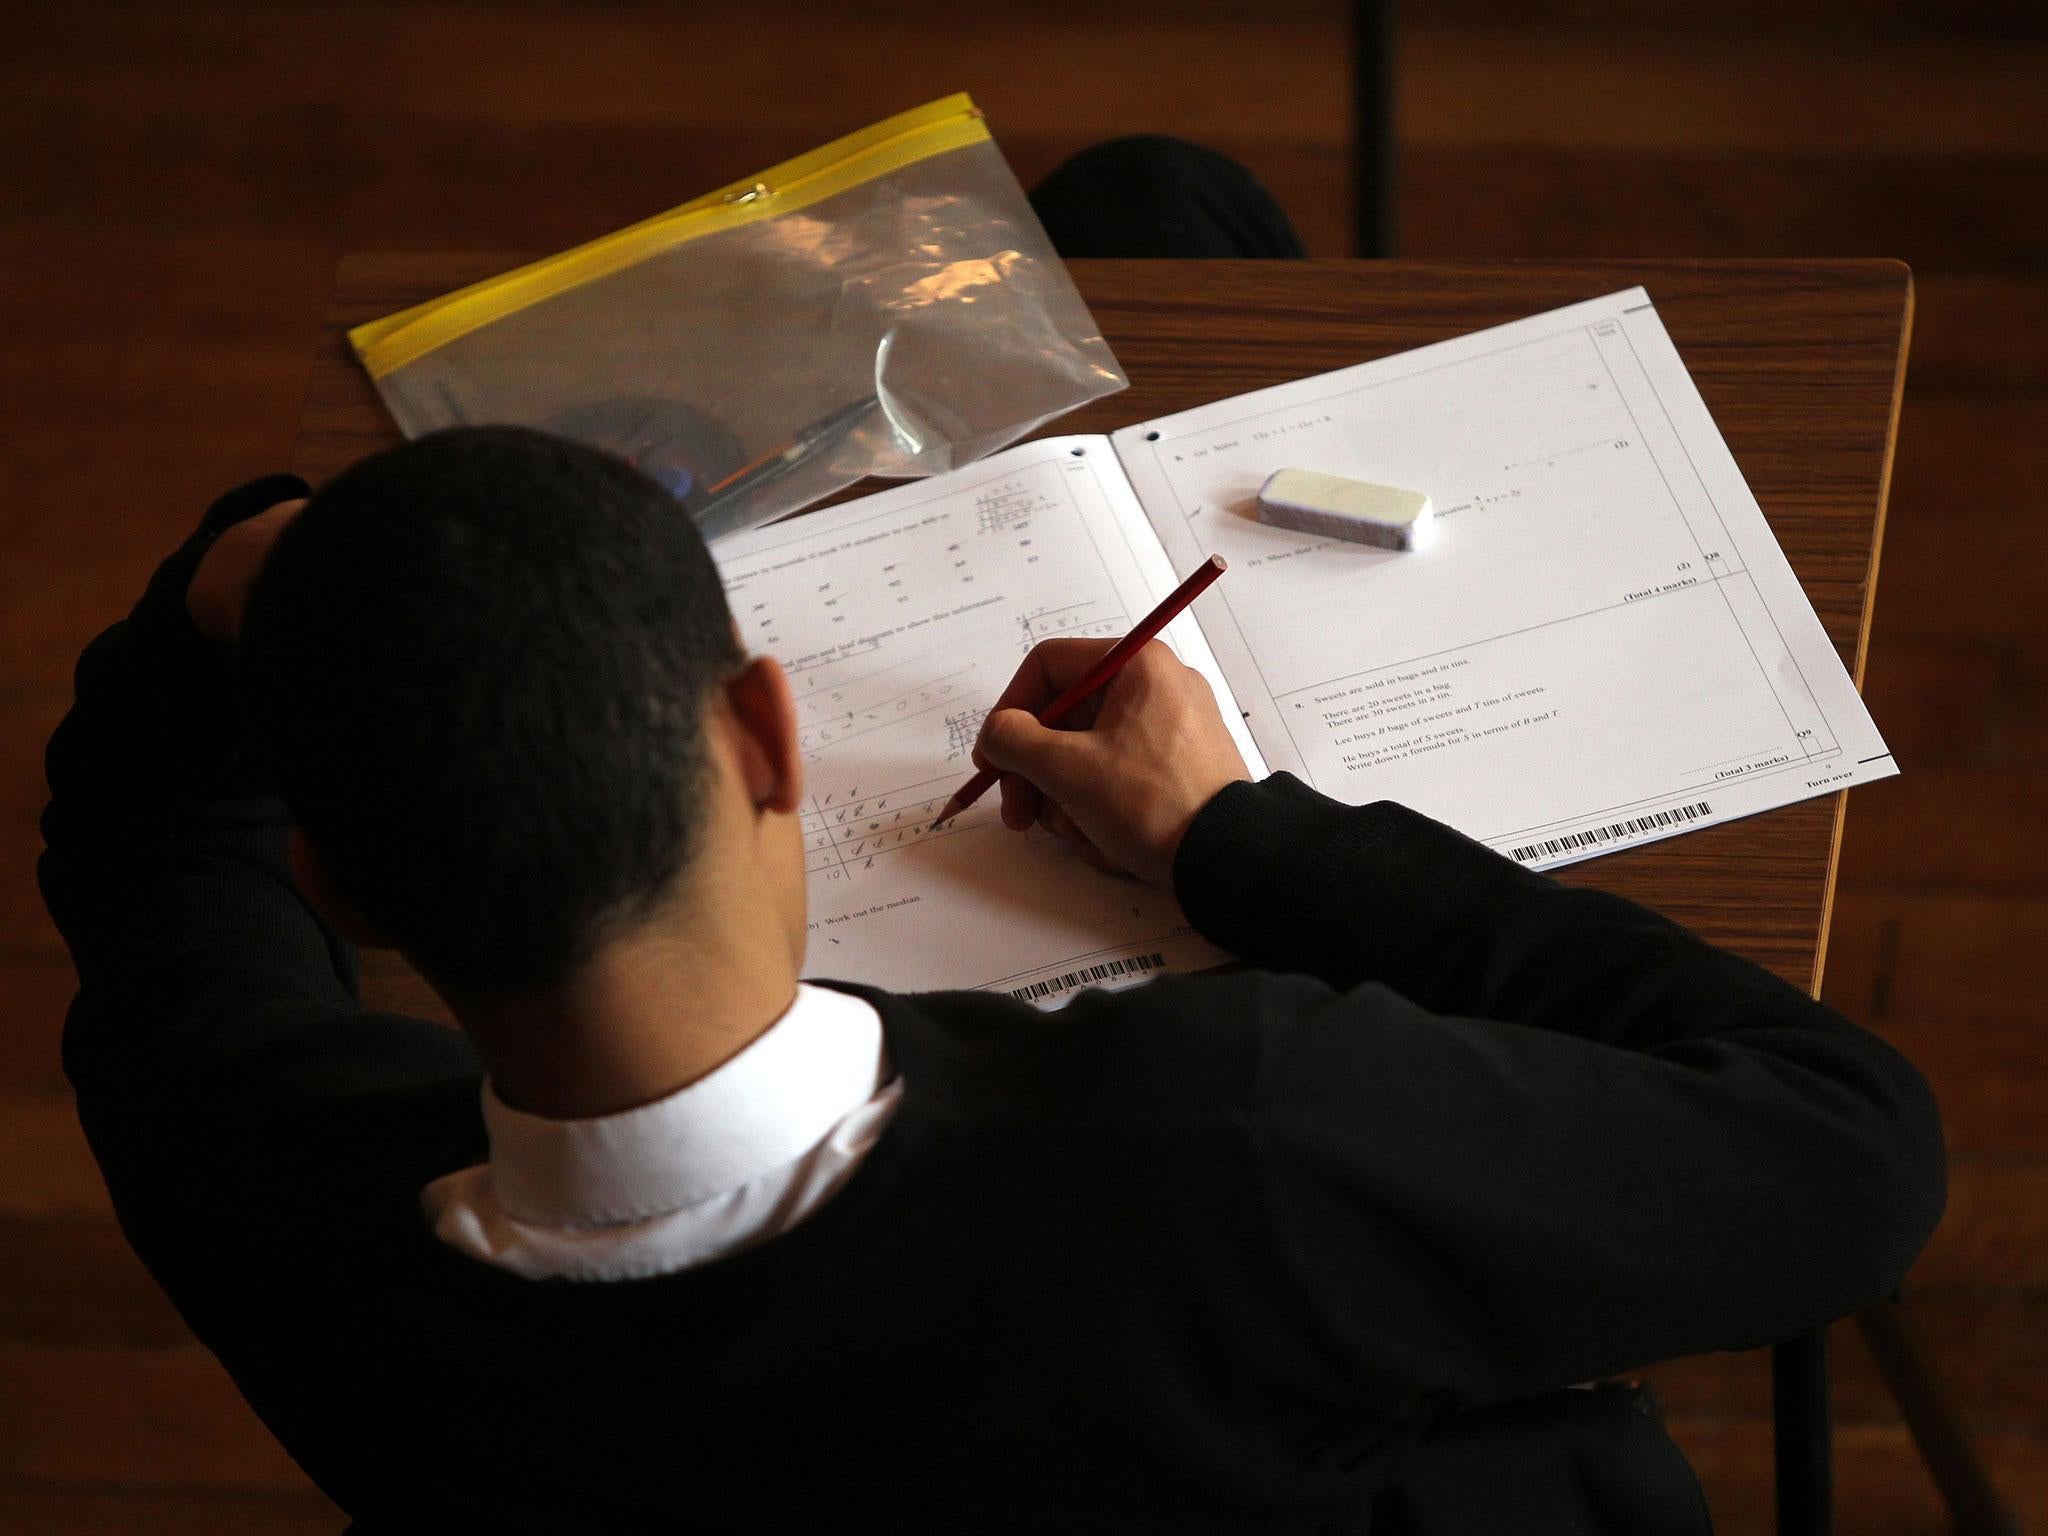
(1123, 775)
(219, 589)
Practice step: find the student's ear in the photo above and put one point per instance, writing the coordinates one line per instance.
(318, 888)
(764, 714)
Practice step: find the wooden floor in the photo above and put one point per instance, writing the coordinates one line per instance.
(175, 183)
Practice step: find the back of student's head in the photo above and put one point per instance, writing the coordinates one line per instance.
(479, 662)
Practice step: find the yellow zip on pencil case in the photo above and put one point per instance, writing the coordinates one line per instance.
(885, 304)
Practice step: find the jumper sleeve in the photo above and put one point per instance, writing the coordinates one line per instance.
(1518, 1134)
(216, 1014)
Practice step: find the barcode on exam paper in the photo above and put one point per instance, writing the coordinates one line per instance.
(1569, 842)
(1088, 973)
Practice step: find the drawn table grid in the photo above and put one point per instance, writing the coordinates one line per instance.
(846, 829)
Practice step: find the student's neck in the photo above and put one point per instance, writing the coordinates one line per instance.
(651, 1013)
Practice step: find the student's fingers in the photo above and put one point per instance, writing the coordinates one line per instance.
(1022, 803)
(1156, 752)
(219, 588)
(1048, 671)
(1055, 763)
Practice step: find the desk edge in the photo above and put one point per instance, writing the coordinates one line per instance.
(1877, 527)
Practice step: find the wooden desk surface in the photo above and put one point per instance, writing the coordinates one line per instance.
(1801, 363)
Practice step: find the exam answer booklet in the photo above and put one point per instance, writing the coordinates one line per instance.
(1604, 645)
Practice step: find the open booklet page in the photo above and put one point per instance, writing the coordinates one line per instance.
(900, 619)
(1604, 645)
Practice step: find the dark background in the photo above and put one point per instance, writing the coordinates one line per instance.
(176, 182)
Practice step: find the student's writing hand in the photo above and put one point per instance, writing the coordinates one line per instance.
(1124, 774)
(219, 589)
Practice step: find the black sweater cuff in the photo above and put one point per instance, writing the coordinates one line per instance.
(1286, 877)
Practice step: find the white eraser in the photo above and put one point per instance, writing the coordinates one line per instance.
(1338, 508)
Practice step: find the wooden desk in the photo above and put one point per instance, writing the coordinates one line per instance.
(1801, 363)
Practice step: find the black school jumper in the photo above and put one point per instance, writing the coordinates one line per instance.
(1311, 1246)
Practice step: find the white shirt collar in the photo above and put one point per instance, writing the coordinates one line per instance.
(763, 1109)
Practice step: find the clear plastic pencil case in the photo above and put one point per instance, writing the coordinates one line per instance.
(885, 305)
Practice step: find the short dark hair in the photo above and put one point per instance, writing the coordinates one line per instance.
(479, 663)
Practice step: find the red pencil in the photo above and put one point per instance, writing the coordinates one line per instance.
(1098, 676)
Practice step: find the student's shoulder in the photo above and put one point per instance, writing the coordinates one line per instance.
(1181, 1044)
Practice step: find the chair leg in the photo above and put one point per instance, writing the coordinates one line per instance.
(1804, 1440)
(1973, 1504)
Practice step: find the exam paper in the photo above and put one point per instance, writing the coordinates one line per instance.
(900, 619)
(1604, 646)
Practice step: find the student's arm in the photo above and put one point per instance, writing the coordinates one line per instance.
(1512, 1134)
(215, 1042)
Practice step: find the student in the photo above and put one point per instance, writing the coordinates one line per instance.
(664, 1239)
